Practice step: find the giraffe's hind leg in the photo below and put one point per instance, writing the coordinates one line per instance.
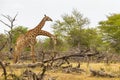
(17, 54)
(16, 57)
(33, 53)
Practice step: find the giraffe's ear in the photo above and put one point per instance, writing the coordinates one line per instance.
(45, 15)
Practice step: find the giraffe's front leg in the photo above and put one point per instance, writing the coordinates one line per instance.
(16, 54)
(33, 53)
(15, 57)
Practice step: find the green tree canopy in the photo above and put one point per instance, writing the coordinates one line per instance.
(70, 22)
(17, 31)
(110, 30)
(71, 28)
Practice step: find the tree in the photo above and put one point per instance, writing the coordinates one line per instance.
(47, 44)
(93, 39)
(71, 28)
(110, 30)
(11, 25)
(18, 31)
(15, 32)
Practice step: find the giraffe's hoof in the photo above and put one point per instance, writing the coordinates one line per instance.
(33, 61)
(15, 61)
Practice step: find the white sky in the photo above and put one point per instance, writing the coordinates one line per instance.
(30, 12)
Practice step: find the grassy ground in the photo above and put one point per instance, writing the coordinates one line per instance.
(111, 68)
(59, 75)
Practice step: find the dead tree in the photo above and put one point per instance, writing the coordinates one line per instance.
(4, 70)
(81, 54)
(11, 25)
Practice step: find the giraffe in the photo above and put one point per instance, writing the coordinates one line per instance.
(42, 22)
(29, 39)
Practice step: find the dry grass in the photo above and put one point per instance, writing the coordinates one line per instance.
(111, 68)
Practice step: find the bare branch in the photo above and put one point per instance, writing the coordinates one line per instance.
(11, 25)
(10, 18)
(72, 55)
(5, 23)
(15, 17)
(7, 17)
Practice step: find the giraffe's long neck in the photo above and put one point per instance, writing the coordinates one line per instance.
(45, 33)
(37, 32)
(41, 24)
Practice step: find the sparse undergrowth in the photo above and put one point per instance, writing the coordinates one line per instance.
(58, 74)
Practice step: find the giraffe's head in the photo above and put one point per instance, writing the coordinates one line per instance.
(47, 18)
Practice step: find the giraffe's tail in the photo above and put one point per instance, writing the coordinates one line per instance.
(11, 50)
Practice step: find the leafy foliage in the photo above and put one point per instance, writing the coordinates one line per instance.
(3, 39)
(110, 30)
(71, 29)
(17, 31)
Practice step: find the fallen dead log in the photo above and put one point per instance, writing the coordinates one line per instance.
(70, 69)
(22, 65)
(100, 73)
(32, 65)
(72, 55)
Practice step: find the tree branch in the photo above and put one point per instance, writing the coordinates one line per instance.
(15, 17)
(4, 70)
(5, 23)
(72, 55)
(7, 17)
(32, 65)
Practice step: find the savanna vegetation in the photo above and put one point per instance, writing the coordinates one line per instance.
(82, 51)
